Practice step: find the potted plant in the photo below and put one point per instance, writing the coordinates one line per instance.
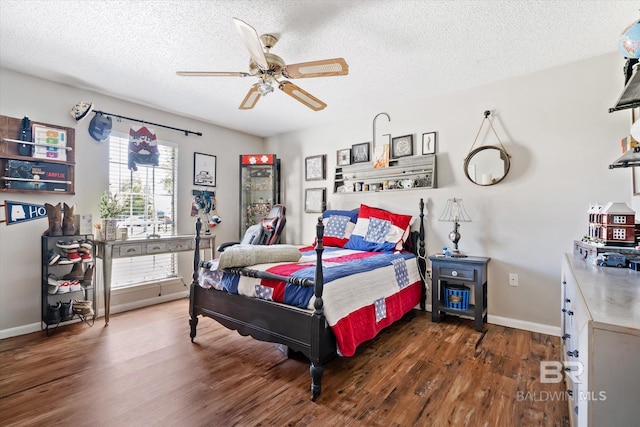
(110, 208)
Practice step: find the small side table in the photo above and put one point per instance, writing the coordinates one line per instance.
(470, 271)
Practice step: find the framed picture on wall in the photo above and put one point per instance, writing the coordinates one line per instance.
(401, 146)
(429, 143)
(204, 169)
(314, 200)
(315, 168)
(343, 157)
(360, 152)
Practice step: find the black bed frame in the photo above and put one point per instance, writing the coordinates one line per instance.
(300, 330)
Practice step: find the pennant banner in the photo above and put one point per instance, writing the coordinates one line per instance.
(16, 212)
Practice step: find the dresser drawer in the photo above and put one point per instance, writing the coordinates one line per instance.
(156, 247)
(457, 273)
(132, 249)
(184, 245)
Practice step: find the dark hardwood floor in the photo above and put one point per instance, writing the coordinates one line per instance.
(142, 370)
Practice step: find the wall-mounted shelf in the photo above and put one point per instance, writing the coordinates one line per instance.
(29, 174)
(401, 174)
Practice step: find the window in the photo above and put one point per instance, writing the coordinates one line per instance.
(619, 219)
(149, 197)
(619, 234)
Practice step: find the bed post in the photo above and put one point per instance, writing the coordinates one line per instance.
(422, 258)
(193, 317)
(318, 326)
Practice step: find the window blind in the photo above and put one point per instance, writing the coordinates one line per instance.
(149, 198)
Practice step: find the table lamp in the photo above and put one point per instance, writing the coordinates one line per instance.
(455, 212)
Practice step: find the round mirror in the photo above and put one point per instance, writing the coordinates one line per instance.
(487, 165)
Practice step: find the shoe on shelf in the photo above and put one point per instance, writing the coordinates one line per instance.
(83, 308)
(87, 280)
(66, 310)
(68, 244)
(74, 286)
(64, 261)
(63, 287)
(53, 313)
(74, 256)
(53, 257)
(86, 257)
(76, 273)
(85, 246)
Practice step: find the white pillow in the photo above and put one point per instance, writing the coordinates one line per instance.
(246, 255)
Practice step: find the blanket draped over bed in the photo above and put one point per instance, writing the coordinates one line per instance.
(321, 312)
(363, 291)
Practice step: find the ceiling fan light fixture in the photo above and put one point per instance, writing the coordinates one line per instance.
(265, 88)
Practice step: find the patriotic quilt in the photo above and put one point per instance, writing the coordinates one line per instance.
(364, 292)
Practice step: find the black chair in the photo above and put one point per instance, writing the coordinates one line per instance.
(267, 232)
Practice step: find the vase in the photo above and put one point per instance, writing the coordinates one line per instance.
(109, 229)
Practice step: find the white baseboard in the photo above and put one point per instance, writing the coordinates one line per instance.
(522, 324)
(519, 324)
(145, 302)
(36, 327)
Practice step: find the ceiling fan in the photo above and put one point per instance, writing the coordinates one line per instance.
(271, 69)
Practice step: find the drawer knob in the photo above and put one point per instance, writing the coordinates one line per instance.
(454, 273)
(573, 353)
(565, 336)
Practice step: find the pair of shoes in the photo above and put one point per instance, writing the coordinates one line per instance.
(56, 286)
(70, 248)
(60, 225)
(83, 308)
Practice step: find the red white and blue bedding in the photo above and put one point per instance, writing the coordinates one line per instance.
(364, 292)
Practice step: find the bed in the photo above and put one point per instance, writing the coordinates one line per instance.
(307, 309)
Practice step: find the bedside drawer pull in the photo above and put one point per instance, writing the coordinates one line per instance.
(573, 353)
(454, 273)
(565, 336)
(569, 312)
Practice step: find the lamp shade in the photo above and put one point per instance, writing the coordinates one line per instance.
(629, 42)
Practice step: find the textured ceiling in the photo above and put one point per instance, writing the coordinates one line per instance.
(396, 50)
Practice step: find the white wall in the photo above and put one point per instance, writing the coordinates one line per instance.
(49, 102)
(557, 128)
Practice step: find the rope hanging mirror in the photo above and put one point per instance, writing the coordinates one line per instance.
(487, 164)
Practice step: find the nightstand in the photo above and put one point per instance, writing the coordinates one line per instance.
(455, 276)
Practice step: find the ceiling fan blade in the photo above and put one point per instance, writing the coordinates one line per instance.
(322, 68)
(213, 73)
(300, 95)
(252, 42)
(251, 99)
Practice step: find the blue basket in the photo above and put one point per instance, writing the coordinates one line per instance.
(456, 297)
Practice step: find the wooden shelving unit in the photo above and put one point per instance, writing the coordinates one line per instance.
(19, 174)
(401, 174)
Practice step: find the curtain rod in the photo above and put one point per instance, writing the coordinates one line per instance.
(186, 132)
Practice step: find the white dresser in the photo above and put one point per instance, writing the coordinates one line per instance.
(601, 343)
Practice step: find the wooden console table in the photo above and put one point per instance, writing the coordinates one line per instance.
(107, 250)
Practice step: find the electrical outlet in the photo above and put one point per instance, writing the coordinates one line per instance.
(513, 279)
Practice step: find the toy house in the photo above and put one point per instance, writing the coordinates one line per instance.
(613, 224)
